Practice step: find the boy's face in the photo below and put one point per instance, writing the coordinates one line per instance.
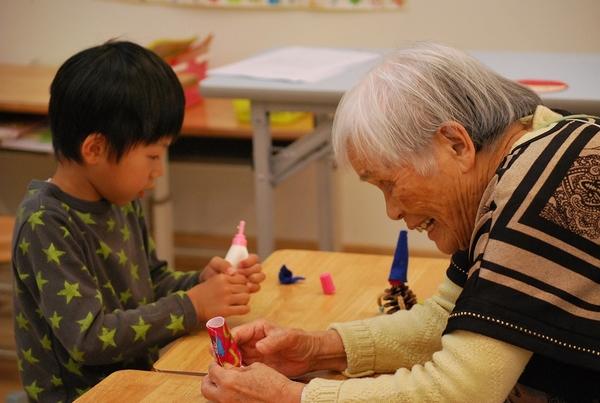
(124, 181)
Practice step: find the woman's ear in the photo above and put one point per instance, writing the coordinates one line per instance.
(458, 144)
(94, 148)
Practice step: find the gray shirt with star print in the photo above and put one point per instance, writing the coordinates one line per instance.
(90, 295)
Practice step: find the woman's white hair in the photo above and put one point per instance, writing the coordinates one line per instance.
(393, 113)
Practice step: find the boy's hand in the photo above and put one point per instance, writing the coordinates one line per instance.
(220, 295)
(251, 268)
(215, 266)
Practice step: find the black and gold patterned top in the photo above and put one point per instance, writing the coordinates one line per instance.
(532, 273)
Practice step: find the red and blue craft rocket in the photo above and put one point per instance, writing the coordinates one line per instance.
(224, 347)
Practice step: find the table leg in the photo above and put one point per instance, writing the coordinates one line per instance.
(263, 187)
(325, 197)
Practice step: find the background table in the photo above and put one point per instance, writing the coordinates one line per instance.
(359, 280)
(272, 167)
(145, 386)
(579, 71)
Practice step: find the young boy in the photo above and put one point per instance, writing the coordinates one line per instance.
(90, 295)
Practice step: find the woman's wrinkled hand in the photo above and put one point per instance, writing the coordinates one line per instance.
(254, 383)
(289, 351)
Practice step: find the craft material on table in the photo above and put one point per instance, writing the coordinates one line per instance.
(296, 64)
(224, 347)
(399, 296)
(238, 250)
(286, 276)
(327, 283)
(538, 85)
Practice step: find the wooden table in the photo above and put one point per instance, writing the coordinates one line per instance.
(145, 386)
(358, 278)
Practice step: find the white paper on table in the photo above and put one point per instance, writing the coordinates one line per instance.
(297, 64)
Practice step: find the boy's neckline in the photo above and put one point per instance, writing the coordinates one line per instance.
(95, 207)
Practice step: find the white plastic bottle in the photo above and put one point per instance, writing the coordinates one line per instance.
(238, 251)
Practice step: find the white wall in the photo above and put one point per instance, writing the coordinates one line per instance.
(211, 198)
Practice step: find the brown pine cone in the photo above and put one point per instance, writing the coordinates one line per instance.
(396, 298)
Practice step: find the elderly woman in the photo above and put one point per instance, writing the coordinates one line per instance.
(512, 190)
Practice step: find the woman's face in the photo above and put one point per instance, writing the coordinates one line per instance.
(438, 203)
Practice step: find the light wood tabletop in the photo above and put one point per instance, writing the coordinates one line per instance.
(359, 279)
(26, 89)
(145, 386)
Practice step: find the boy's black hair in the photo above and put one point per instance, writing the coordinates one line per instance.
(120, 90)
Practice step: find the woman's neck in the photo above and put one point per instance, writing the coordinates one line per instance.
(490, 159)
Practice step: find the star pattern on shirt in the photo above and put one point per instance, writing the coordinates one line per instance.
(177, 274)
(46, 343)
(134, 271)
(84, 324)
(53, 254)
(24, 246)
(65, 206)
(40, 281)
(153, 351)
(80, 391)
(22, 321)
(33, 390)
(56, 381)
(124, 296)
(22, 276)
(107, 337)
(73, 367)
(176, 324)
(98, 296)
(140, 329)
(128, 208)
(70, 291)
(110, 224)
(65, 231)
(122, 257)
(108, 285)
(55, 320)
(151, 244)
(35, 219)
(76, 354)
(86, 218)
(104, 250)
(125, 233)
(180, 293)
(29, 357)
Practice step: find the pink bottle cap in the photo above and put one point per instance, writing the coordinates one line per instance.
(327, 283)
(240, 238)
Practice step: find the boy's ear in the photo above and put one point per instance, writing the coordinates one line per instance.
(458, 143)
(94, 148)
